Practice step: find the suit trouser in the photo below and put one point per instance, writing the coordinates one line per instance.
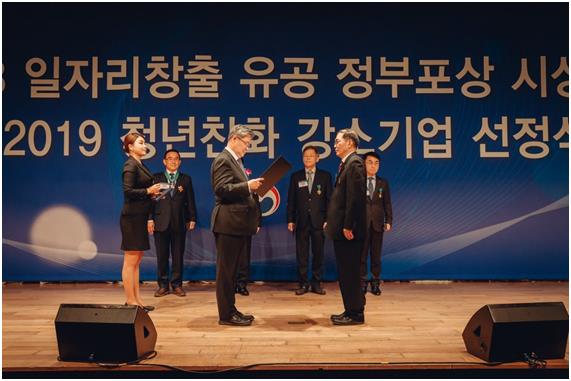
(302, 237)
(373, 246)
(170, 243)
(348, 268)
(243, 274)
(229, 249)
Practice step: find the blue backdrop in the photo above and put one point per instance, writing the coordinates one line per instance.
(467, 104)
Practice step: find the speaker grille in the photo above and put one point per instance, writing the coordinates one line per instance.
(103, 333)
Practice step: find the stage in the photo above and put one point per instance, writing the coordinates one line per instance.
(411, 330)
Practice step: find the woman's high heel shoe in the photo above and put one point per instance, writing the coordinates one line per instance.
(146, 308)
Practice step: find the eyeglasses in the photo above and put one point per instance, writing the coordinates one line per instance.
(248, 145)
(172, 159)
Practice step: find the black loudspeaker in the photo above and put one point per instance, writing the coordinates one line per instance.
(104, 333)
(505, 332)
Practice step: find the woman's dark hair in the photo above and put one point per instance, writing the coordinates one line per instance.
(130, 138)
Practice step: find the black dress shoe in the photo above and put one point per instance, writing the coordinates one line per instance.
(364, 288)
(242, 290)
(162, 291)
(318, 290)
(236, 320)
(302, 290)
(376, 289)
(243, 316)
(178, 291)
(337, 316)
(347, 320)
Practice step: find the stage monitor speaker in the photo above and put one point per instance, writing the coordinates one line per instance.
(505, 332)
(104, 333)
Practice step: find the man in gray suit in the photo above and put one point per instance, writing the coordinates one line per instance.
(235, 218)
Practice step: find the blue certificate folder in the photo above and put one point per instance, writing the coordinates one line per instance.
(273, 174)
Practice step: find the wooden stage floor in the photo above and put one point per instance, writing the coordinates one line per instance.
(410, 325)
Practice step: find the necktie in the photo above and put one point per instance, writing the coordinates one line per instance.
(339, 172)
(340, 168)
(309, 180)
(371, 187)
(241, 161)
(171, 182)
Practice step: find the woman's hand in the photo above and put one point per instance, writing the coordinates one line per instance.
(154, 190)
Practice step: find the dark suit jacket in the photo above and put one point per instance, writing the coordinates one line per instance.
(380, 209)
(303, 206)
(347, 208)
(177, 210)
(136, 179)
(236, 210)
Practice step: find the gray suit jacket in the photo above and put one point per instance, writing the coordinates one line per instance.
(236, 211)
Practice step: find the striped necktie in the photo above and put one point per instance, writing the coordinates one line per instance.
(171, 183)
(309, 180)
(371, 187)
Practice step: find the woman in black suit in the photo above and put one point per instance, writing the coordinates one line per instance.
(138, 190)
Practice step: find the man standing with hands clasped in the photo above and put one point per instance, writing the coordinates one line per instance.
(307, 198)
(379, 220)
(235, 218)
(346, 226)
(172, 216)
